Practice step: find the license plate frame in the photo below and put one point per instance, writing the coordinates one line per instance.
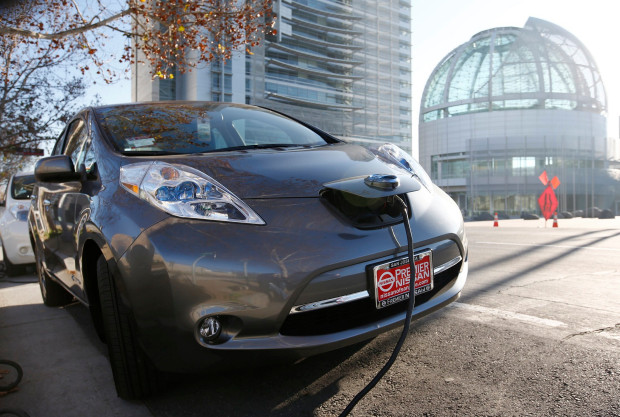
(391, 280)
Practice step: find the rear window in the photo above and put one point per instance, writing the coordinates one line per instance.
(199, 127)
(22, 186)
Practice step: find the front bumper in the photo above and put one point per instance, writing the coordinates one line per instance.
(312, 344)
(179, 271)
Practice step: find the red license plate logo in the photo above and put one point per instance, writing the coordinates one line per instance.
(392, 279)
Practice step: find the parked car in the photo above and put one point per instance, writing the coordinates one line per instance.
(16, 247)
(199, 233)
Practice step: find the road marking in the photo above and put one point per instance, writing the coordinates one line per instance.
(509, 315)
(548, 246)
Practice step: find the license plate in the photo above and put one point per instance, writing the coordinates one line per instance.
(392, 279)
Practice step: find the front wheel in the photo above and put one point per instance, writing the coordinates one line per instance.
(10, 269)
(134, 375)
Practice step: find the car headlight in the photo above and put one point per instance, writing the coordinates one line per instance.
(20, 212)
(395, 156)
(185, 192)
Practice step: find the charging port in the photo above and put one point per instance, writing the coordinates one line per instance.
(361, 212)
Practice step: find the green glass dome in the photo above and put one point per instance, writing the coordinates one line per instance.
(539, 66)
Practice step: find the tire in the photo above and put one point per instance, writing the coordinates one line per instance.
(10, 269)
(134, 375)
(14, 373)
(54, 295)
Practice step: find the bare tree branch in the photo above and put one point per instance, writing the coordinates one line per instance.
(8, 30)
(163, 32)
(39, 37)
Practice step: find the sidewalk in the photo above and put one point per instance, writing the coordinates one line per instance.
(66, 371)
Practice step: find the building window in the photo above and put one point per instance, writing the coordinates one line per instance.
(216, 97)
(523, 165)
(450, 168)
(167, 90)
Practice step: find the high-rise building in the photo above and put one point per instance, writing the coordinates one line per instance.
(341, 65)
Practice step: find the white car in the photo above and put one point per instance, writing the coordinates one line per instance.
(16, 247)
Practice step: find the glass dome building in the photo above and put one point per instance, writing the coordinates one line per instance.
(509, 104)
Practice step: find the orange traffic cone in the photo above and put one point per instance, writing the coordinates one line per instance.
(495, 222)
(555, 219)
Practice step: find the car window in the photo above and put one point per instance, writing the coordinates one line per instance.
(199, 127)
(88, 156)
(256, 132)
(76, 135)
(84, 153)
(218, 139)
(22, 186)
(78, 146)
(58, 146)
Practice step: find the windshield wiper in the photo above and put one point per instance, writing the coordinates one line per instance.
(151, 153)
(264, 146)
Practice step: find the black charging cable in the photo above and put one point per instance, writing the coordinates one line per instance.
(403, 335)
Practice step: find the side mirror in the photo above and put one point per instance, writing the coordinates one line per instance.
(57, 168)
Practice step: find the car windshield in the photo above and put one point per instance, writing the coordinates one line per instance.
(22, 187)
(187, 128)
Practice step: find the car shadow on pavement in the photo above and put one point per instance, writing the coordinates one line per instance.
(322, 384)
(24, 276)
(275, 388)
(81, 315)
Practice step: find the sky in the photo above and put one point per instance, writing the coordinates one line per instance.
(439, 26)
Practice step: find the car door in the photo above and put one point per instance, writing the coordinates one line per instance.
(45, 211)
(75, 204)
(56, 204)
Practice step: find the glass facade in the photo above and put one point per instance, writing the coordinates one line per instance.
(341, 65)
(313, 60)
(221, 81)
(540, 66)
(509, 104)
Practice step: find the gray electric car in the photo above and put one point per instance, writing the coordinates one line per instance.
(201, 232)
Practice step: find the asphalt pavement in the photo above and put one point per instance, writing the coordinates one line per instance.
(536, 332)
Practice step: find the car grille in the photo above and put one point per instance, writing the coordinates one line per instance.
(356, 313)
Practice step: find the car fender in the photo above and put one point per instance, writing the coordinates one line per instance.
(91, 243)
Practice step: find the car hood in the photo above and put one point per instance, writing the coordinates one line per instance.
(287, 172)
